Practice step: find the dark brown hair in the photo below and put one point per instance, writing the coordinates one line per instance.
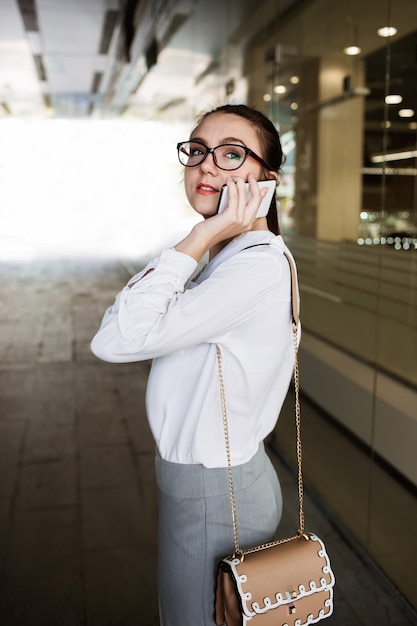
(270, 142)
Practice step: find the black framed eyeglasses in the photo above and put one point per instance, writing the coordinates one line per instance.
(227, 156)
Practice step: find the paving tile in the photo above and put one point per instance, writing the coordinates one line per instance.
(5, 512)
(343, 614)
(112, 518)
(45, 485)
(107, 467)
(96, 390)
(45, 535)
(5, 507)
(55, 347)
(46, 441)
(53, 394)
(16, 390)
(8, 477)
(21, 347)
(12, 432)
(121, 587)
(403, 571)
(100, 430)
(42, 583)
(85, 323)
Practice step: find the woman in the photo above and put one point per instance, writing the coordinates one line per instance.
(239, 302)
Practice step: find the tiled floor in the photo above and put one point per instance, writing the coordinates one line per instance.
(77, 491)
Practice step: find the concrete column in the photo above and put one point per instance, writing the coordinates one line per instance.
(340, 140)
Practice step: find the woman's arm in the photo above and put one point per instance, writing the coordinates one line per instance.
(155, 316)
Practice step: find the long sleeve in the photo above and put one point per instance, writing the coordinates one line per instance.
(139, 307)
(153, 315)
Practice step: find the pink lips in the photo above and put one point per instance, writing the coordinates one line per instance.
(206, 189)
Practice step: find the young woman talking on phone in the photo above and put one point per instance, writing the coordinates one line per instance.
(240, 302)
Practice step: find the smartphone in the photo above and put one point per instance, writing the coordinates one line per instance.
(263, 207)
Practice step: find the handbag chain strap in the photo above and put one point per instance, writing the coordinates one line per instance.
(239, 553)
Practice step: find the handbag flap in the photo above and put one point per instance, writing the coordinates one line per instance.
(281, 574)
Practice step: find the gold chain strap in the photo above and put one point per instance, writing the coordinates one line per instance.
(298, 435)
(227, 442)
(238, 551)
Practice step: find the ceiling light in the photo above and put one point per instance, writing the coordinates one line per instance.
(406, 112)
(393, 156)
(267, 97)
(294, 106)
(352, 51)
(393, 99)
(413, 125)
(294, 80)
(387, 31)
(280, 89)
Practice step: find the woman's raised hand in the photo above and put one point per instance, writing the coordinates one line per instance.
(238, 217)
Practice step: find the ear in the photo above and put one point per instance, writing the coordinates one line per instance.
(270, 175)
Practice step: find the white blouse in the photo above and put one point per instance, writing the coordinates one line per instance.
(241, 302)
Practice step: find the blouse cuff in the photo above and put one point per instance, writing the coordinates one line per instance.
(171, 266)
(182, 264)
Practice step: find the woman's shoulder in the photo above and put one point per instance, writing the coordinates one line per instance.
(257, 254)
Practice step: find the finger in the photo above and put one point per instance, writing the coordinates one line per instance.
(242, 194)
(256, 194)
(237, 192)
(231, 193)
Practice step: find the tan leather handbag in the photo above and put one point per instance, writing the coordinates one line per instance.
(288, 582)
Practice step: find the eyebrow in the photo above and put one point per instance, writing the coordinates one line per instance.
(224, 140)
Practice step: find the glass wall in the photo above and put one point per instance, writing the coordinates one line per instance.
(339, 80)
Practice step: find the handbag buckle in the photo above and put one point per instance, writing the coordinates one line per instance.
(291, 609)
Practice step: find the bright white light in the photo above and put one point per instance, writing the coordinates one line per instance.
(294, 80)
(393, 99)
(393, 156)
(406, 113)
(280, 89)
(91, 188)
(267, 97)
(352, 50)
(387, 31)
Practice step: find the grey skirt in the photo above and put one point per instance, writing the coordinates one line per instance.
(195, 530)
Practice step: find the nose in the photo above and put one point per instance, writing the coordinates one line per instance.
(208, 165)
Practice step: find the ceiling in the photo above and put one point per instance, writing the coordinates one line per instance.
(82, 58)
(77, 58)
(151, 58)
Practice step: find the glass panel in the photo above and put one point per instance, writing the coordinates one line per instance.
(348, 198)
